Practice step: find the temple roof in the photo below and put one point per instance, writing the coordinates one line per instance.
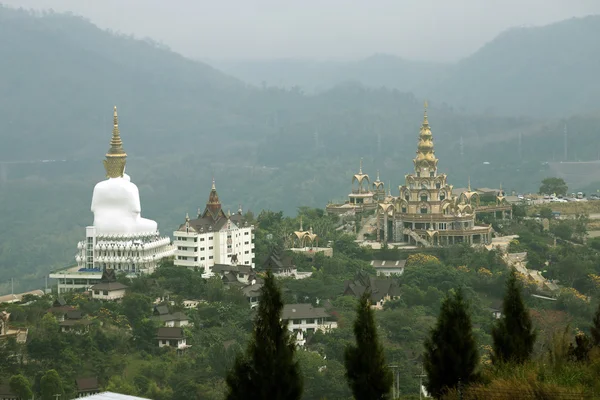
(213, 205)
(115, 157)
(213, 217)
(425, 154)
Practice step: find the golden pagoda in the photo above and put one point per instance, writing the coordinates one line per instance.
(116, 157)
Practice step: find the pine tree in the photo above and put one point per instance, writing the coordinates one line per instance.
(450, 351)
(366, 371)
(513, 335)
(268, 369)
(595, 328)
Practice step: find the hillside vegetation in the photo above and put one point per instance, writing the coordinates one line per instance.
(183, 122)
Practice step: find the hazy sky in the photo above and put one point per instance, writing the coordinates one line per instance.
(441, 30)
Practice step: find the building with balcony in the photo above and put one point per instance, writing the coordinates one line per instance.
(304, 318)
(119, 238)
(214, 237)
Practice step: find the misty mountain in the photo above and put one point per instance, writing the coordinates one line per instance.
(542, 71)
(60, 74)
(550, 70)
(378, 70)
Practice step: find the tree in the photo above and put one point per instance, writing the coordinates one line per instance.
(450, 350)
(513, 335)
(20, 386)
(268, 369)
(546, 212)
(556, 186)
(136, 307)
(366, 370)
(51, 385)
(595, 328)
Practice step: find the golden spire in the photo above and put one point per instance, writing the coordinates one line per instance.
(425, 155)
(301, 223)
(469, 184)
(213, 184)
(116, 156)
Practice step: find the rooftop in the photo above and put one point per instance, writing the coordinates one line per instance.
(299, 311)
(169, 333)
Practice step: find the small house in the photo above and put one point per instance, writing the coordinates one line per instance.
(171, 337)
(108, 288)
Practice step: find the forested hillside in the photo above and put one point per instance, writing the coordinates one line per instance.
(183, 122)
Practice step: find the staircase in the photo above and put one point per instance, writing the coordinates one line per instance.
(416, 237)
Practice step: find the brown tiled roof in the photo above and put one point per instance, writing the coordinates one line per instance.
(276, 261)
(177, 316)
(75, 314)
(161, 310)
(59, 302)
(252, 290)
(379, 287)
(299, 311)
(61, 309)
(244, 269)
(169, 333)
(86, 384)
(73, 322)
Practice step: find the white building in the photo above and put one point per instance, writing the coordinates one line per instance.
(307, 319)
(388, 267)
(171, 337)
(119, 238)
(214, 238)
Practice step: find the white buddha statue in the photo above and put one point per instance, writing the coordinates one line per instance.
(116, 201)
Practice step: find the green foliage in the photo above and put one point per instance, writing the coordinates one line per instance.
(136, 307)
(268, 369)
(366, 369)
(51, 385)
(451, 355)
(546, 212)
(513, 334)
(21, 386)
(595, 328)
(556, 186)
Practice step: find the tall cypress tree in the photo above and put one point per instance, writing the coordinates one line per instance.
(451, 355)
(513, 334)
(268, 369)
(366, 371)
(595, 328)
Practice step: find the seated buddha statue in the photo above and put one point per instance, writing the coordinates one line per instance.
(116, 201)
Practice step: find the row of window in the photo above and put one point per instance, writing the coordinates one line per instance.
(182, 248)
(184, 239)
(308, 321)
